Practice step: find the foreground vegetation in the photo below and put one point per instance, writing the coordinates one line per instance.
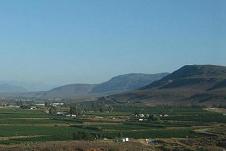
(181, 126)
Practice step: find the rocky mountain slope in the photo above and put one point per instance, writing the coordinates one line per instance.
(190, 85)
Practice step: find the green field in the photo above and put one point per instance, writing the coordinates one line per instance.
(24, 126)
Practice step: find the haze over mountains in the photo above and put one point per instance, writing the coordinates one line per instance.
(190, 85)
(22, 86)
(127, 82)
(115, 85)
(9, 88)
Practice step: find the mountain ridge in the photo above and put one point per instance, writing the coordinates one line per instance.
(127, 82)
(9, 88)
(117, 84)
(189, 85)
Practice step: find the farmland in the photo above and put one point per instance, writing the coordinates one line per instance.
(24, 126)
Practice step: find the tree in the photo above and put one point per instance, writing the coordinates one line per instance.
(120, 134)
(46, 104)
(52, 110)
(19, 103)
(76, 110)
(101, 109)
(110, 109)
(153, 118)
(84, 136)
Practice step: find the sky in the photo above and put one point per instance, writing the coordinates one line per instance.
(87, 41)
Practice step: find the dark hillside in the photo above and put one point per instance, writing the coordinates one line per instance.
(190, 85)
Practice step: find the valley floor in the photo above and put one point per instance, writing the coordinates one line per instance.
(147, 128)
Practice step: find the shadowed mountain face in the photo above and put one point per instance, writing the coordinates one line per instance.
(127, 82)
(191, 76)
(117, 84)
(190, 85)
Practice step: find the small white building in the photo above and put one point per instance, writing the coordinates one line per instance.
(33, 108)
(141, 120)
(166, 115)
(125, 140)
(71, 115)
(141, 115)
(57, 104)
(60, 113)
(40, 104)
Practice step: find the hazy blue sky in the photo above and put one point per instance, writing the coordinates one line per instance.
(63, 41)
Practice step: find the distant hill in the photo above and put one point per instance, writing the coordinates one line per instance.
(204, 76)
(190, 85)
(117, 84)
(71, 90)
(127, 82)
(8, 88)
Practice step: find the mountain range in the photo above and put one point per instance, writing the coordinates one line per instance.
(190, 85)
(22, 86)
(118, 84)
(115, 85)
(10, 88)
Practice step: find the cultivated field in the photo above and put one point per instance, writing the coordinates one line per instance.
(189, 128)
